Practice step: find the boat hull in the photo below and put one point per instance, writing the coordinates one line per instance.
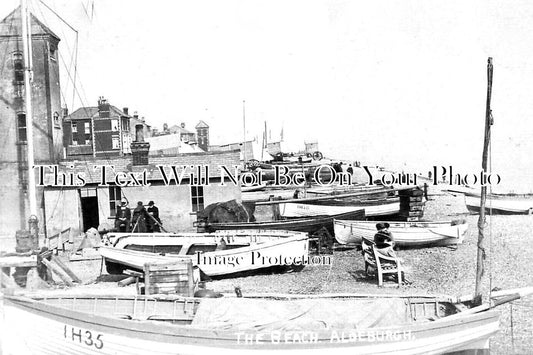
(36, 327)
(500, 205)
(290, 251)
(308, 225)
(409, 234)
(291, 210)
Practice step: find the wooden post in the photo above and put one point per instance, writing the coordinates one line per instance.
(481, 220)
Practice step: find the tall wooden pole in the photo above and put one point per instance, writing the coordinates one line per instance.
(244, 131)
(28, 73)
(481, 221)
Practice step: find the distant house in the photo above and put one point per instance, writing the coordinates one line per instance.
(202, 135)
(100, 131)
(171, 144)
(185, 135)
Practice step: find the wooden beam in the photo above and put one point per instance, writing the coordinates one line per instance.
(18, 261)
(58, 271)
(66, 269)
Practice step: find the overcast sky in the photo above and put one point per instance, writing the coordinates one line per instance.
(397, 83)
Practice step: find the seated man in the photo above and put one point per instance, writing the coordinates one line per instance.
(384, 240)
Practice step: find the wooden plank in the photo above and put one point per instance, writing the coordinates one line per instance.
(18, 261)
(168, 278)
(66, 269)
(127, 281)
(58, 271)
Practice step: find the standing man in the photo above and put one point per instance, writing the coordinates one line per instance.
(153, 211)
(139, 218)
(123, 217)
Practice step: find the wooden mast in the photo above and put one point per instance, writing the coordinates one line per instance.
(481, 220)
(244, 131)
(28, 73)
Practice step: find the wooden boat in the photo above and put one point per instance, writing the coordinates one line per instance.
(216, 254)
(501, 203)
(405, 233)
(253, 188)
(386, 207)
(308, 225)
(336, 324)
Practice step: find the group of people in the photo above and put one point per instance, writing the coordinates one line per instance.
(142, 220)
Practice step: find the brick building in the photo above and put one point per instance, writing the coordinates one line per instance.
(48, 132)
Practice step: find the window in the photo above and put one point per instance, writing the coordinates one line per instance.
(74, 127)
(116, 143)
(197, 198)
(114, 125)
(53, 51)
(87, 141)
(21, 125)
(87, 127)
(18, 65)
(57, 123)
(115, 195)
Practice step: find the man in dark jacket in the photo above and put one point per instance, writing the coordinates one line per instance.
(139, 218)
(123, 217)
(153, 211)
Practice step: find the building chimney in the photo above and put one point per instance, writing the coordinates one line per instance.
(140, 148)
(125, 110)
(182, 124)
(135, 115)
(64, 112)
(103, 108)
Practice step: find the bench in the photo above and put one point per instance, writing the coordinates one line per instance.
(58, 241)
(383, 264)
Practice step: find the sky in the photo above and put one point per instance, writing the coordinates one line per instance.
(396, 83)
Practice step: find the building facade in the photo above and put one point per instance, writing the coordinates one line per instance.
(94, 203)
(46, 118)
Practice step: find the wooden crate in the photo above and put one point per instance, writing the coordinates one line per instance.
(175, 277)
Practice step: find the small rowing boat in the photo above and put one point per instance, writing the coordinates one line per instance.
(387, 207)
(405, 233)
(501, 203)
(215, 254)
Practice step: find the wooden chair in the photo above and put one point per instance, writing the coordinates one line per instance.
(383, 264)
